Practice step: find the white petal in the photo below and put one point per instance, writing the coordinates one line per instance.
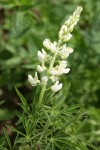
(67, 37)
(40, 56)
(46, 43)
(39, 68)
(56, 87)
(69, 49)
(36, 76)
(44, 53)
(53, 71)
(66, 70)
(31, 80)
(63, 64)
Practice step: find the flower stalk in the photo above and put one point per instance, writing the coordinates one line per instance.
(41, 95)
(58, 52)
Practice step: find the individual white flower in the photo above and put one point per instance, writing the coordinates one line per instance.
(65, 51)
(63, 64)
(67, 37)
(62, 31)
(59, 70)
(39, 68)
(56, 87)
(53, 78)
(54, 71)
(66, 70)
(60, 34)
(47, 43)
(44, 79)
(64, 28)
(33, 81)
(50, 46)
(42, 55)
(53, 47)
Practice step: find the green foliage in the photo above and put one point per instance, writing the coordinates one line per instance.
(53, 126)
(7, 138)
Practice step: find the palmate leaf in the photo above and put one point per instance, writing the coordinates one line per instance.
(63, 141)
(65, 145)
(36, 97)
(15, 141)
(24, 104)
(15, 130)
(81, 126)
(7, 138)
(73, 107)
(88, 143)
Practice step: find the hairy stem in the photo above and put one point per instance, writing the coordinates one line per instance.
(44, 86)
(41, 95)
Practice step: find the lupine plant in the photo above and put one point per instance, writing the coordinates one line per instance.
(48, 123)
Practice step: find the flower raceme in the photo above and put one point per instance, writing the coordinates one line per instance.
(58, 52)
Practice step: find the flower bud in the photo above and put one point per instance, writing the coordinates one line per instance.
(50, 46)
(39, 68)
(47, 43)
(42, 55)
(44, 79)
(53, 78)
(67, 37)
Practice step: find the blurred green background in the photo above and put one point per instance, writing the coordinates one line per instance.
(24, 24)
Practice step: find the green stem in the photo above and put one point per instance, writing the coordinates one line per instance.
(41, 95)
(44, 86)
(53, 61)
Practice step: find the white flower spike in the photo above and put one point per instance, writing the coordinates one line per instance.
(53, 65)
(56, 87)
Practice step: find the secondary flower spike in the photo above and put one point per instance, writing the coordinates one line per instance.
(64, 33)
